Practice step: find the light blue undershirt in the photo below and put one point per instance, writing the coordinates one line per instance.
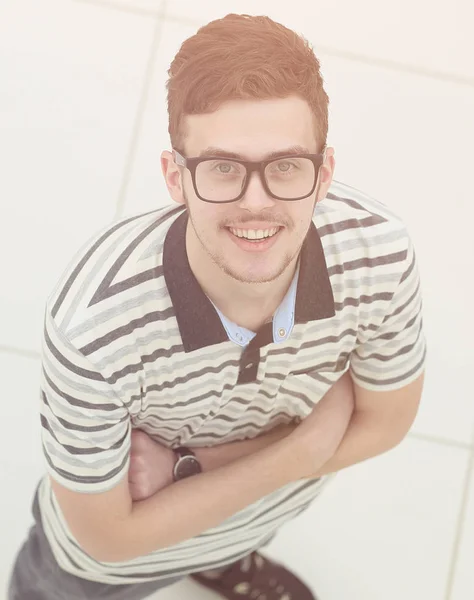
(283, 319)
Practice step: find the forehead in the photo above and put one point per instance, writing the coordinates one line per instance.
(252, 128)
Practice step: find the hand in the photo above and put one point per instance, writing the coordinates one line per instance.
(319, 435)
(151, 466)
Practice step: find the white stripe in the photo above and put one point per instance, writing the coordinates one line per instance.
(171, 397)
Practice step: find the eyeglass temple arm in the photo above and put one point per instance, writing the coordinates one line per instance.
(179, 160)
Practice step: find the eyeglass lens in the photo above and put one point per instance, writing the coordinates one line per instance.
(223, 180)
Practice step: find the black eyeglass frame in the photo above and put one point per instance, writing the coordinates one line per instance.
(251, 166)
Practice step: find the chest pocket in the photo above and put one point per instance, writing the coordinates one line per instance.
(303, 388)
(337, 366)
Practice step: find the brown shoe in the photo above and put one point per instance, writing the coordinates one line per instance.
(265, 580)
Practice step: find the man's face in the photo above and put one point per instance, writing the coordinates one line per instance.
(251, 129)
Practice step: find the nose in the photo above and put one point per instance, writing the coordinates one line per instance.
(255, 197)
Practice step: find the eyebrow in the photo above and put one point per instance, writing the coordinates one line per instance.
(215, 151)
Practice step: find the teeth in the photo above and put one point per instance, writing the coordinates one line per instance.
(253, 234)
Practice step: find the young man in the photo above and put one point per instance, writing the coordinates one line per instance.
(209, 366)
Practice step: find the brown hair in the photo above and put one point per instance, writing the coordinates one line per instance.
(243, 57)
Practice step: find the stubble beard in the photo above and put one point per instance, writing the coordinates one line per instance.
(220, 262)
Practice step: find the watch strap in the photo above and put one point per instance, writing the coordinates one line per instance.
(183, 451)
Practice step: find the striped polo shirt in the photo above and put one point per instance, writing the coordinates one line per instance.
(132, 341)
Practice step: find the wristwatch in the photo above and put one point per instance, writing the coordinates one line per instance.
(186, 464)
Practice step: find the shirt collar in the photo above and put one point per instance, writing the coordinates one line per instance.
(199, 323)
(283, 319)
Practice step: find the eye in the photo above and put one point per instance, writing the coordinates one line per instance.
(224, 168)
(283, 167)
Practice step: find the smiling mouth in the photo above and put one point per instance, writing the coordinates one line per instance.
(275, 231)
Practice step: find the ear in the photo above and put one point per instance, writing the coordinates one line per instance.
(326, 173)
(173, 176)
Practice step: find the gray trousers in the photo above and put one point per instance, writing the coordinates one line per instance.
(36, 574)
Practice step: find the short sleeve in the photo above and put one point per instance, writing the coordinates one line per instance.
(395, 354)
(85, 429)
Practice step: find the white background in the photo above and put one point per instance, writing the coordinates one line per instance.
(82, 124)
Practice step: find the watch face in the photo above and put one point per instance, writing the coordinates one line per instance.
(187, 466)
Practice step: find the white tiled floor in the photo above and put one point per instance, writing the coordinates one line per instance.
(83, 122)
(431, 34)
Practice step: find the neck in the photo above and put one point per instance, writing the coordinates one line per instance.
(247, 304)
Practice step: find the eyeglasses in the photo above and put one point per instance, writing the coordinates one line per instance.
(218, 179)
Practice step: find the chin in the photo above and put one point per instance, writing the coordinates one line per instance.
(244, 276)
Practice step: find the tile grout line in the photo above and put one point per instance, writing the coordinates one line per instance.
(110, 4)
(363, 58)
(161, 17)
(460, 524)
(397, 67)
(20, 352)
(440, 441)
(385, 63)
(149, 72)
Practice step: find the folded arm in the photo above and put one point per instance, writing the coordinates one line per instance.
(112, 528)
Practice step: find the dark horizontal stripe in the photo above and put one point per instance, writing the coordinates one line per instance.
(300, 396)
(138, 367)
(250, 524)
(165, 571)
(365, 222)
(324, 366)
(304, 487)
(106, 406)
(85, 479)
(408, 272)
(254, 524)
(171, 571)
(161, 316)
(399, 352)
(359, 263)
(310, 403)
(184, 431)
(354, 204)
(388, 335)
(228, 418)
(393, 334)
(197, 375)
(249, 428)
(131, 282)
(79, 451)
(285, 351)
(312, 344)
(390, 381)
(403, 306)
(193, 430)
(85, 373)
(339, 364)
(179, 380)
(74, 426)
(169, 352)
(363, 300)
(113, 335)
(108, 288)
(309, 484)
(81, 264)
(162, 422)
